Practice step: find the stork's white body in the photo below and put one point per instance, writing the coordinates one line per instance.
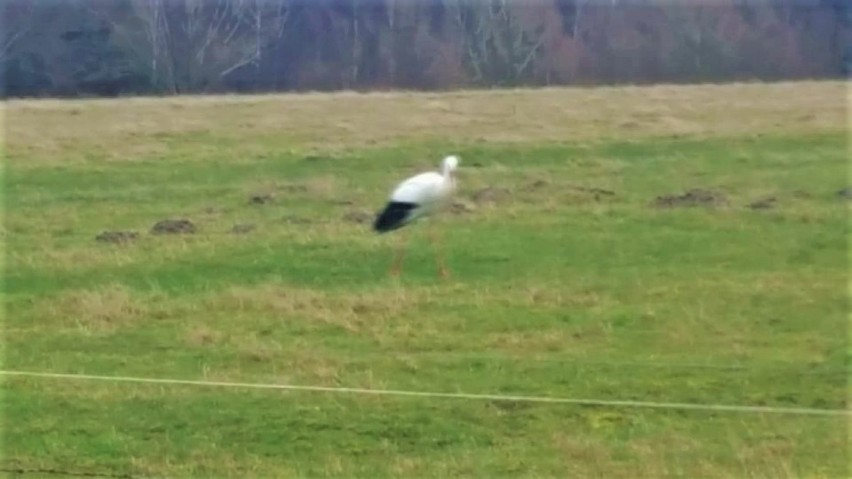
(429, 191)
(418, 196)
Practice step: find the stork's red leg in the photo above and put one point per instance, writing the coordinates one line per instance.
(439, 255)
(396, 267)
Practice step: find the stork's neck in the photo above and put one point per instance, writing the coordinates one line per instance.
(450, 178)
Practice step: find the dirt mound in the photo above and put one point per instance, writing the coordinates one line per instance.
(317, 158)
(536, 185)
(296, 220)
(541, 184)
(491, 194)
(260, 199)
(763, 204)
(116, 236)
(593, 190)
(292, 188)
(359, 217)
(178, 226)
(693, 197)
(242, 228)
(461, 207)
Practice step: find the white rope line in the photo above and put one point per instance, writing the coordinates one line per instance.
(444, 395)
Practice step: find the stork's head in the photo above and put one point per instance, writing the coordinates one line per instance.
(450, 164)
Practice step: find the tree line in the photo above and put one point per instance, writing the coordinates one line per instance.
(114, 47)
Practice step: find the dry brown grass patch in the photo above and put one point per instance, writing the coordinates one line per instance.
(133, 127)
(317, 367)
(322, 187)
(203, 336)
(362, 313)
(258, 349)
(573, 339)
(102, 309)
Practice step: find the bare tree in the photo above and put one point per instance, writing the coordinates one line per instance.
(498, 47)
(155, 28)
(578, 16)
(195, 44)
(15, 25)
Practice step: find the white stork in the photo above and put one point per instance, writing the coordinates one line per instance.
(417, 197)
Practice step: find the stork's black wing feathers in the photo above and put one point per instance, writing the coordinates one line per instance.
(394, 216)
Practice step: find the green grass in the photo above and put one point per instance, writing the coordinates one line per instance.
(555, 291)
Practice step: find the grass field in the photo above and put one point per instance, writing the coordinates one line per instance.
(577, 272)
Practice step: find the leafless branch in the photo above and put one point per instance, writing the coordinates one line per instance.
(12, 40)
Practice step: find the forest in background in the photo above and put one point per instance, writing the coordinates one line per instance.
(115, 47)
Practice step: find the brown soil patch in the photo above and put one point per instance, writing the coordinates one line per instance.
(536, 185)
(296, 220)
(491, 194)
(179, 226)
(116, 236)
(359, 217)
(595, 191)
(693, 197)
(260, 199)
(461, 207)
(763, 204)
(243, 228)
